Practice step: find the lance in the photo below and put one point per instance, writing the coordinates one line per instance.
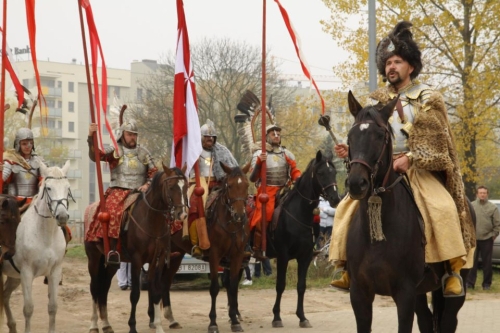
(103, 216)
(2, 88)
(263, 197)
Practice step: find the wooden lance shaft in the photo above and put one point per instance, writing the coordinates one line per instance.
(263, 197)
(103, 216)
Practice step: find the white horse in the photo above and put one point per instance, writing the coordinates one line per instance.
(40, 246)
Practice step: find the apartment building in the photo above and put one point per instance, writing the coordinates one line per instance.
(66, 118)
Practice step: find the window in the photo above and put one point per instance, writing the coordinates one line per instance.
(71, 86)
(71, 106)
(48, 83)
(51, 103)
(26, 83)
(59, 104)
(51, 123)
(139, 94)
(59, 84)
(71, 126)
(59, 125)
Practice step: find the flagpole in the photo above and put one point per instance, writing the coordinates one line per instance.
(2, 88)
(103, 216)
(263, 197)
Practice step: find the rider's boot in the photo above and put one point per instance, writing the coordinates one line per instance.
(344, 281)
(196, 251)
(257, 245)
(113, 257)
(454, 285)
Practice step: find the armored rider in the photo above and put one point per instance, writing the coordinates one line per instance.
(211, 175)
(131, 168)
(424, 149)
(281, 168)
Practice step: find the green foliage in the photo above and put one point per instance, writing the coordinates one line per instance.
(76, 251)
(461, 51)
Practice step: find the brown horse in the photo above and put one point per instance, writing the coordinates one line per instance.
(9, 220)
(146, 239)
(228, 231)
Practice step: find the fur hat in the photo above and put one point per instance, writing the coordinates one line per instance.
(399, 42)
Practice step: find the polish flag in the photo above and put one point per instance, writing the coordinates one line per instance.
(186, 146)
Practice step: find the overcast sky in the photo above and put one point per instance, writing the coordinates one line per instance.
(147, 29)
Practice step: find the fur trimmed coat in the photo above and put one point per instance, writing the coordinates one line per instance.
(432, 144)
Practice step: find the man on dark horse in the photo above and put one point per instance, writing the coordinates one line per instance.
(211, 175)
(131, 168)
(424, 149)
(281, 168)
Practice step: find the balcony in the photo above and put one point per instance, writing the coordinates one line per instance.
(74, 174)
(76, 153)
(75, 215)
(51, 112)
(52, 92)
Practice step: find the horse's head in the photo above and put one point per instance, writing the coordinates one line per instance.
(9, 220)
(174, 191)
(235, 191)
(324, 177)
(370, 146)
(56, 192)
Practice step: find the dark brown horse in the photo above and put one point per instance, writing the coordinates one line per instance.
(228, 231)
(146, 239)
(394, 266)
(9, 220)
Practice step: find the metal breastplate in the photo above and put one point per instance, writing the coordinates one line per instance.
(205, 163)
(276, 169)
(130, 172)
(24, 182)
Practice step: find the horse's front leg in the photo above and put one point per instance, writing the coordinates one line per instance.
(167, 305)
(303, 266)
(405, 298)
(362, 297)
(53, 281)
(10, 285)
(281, 267)
(214, 291)
(27, 287)
(232, 292)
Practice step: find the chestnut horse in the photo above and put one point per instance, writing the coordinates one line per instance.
(396, 265)
(145, 240)
(228, 231)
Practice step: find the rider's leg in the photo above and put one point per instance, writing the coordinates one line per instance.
(257, 243)
(196, 252)
(453, 284)
(344, 281)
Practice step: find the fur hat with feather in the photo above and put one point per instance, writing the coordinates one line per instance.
(400, 42)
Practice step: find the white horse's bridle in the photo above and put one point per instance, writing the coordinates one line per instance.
(64, 201)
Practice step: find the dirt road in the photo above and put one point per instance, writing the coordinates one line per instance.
(190, 308)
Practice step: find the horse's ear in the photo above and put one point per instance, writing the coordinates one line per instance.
(387, 111)
(319, 156)
(246, 167)
(65, 168)
(225, 167)
(184, 168)
(43, 169)
(167, 170)
(354, 106)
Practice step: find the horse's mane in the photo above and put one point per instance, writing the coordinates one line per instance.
(372, 112)
(55, 172)
(157, 176)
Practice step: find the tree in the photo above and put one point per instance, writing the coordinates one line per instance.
(224, 70)
(460, 41)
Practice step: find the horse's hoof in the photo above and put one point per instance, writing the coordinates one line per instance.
(305, 324)
(174, 325)
(277, 323)
(152, 325)
(107, 329)
(213, 329)
(236, 328)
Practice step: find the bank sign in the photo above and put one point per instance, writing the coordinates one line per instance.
(18, 50)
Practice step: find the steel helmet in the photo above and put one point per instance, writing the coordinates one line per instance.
(272, 127)
(129, 126)
(22, 134)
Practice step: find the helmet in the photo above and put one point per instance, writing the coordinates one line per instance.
(22, 134)
(272, 127)
(209, 130)
(129, 126)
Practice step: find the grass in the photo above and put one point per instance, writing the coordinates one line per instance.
(76, 251)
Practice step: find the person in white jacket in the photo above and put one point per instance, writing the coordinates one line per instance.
(326, 214)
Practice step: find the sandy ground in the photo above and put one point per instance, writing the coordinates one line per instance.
(190, 307)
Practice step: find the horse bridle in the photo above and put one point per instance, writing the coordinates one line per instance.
(374, 169)
(323, 189)
(49, 200)
(230, 201)
(169, 212)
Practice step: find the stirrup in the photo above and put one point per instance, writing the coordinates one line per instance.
(113, 258)
(198, 255)
(445, 277)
